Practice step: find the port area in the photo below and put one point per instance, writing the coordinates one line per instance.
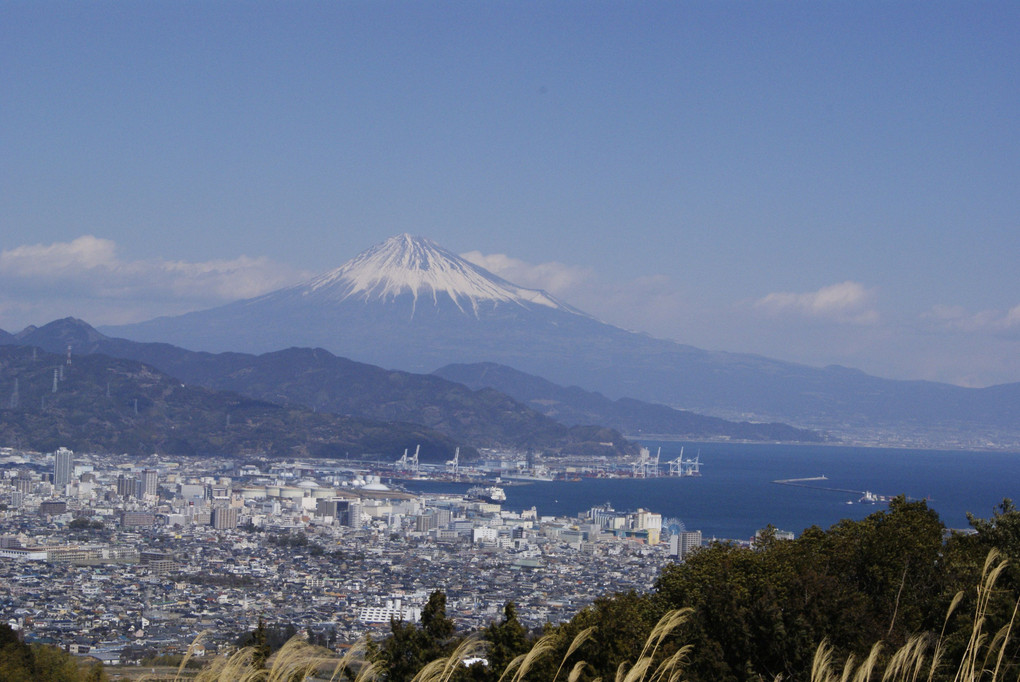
(865, 496)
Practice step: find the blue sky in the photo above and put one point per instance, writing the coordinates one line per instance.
(819, 182)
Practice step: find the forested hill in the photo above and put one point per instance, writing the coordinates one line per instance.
(103, 404)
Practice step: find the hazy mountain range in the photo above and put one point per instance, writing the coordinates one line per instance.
(410, 304)
(573, 405)
(481, 416)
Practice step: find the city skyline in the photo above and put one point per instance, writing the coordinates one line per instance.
(820, 184)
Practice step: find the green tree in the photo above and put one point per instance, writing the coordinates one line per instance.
(402, 654)
(761, 611)
(16, 660)
(260, 644)
(96, 673)
(434, 621)
(966, 555)
(54, 665)
(409, 647)
(621, 624)
(1001, 532)
(506, 640)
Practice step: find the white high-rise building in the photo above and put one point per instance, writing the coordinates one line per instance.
(63, 465)
(683, 543)
(150, 482)
(651, 522)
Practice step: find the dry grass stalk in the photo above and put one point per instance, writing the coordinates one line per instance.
(295, 658)
(189, 654)
(431, 672)
(905, 663)
(821, 664)
(368, 672)
(669, 622)
(939, 651)
(352, 657)
(1006, 638)
(869, 663)
(668, 669)
(522, 664)
(581, 637)
(671, 669)
(575, 672)
(466, 649)
(970, 670)
(511, 667)
(234, 667)
(909, 662)
(637, 672)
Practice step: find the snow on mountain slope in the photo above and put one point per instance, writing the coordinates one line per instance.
(405, 264)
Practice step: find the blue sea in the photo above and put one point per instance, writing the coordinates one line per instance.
(735, 494)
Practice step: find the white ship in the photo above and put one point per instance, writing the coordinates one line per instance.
(492, 493)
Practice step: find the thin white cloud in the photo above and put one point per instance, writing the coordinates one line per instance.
(86, 274)
(556, 278)
(652, 304)
(846, 302)
(959, 319)
(47, 260)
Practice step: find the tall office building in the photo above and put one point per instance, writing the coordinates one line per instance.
(327, 507)
(683, 543)
(224, 517)
(63, 465)
(126, 485)
(150, 482)
(353, 514)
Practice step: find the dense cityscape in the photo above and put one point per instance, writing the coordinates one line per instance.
(123, 560)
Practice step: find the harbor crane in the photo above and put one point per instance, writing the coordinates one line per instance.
(646, 466)
(406, 463)
(685, 467)
(454, 463)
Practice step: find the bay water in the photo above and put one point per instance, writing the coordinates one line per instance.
(735, 494)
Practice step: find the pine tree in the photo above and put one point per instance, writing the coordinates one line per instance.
(507, 640)
(409, 647)
(261, 645)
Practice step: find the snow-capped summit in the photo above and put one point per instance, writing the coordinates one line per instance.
(417, 266)
(405, 303)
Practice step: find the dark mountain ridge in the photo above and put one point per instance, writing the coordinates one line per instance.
(103, 404)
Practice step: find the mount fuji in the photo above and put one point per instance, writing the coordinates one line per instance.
(407, 303)
(415, 266)
(410, 304)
